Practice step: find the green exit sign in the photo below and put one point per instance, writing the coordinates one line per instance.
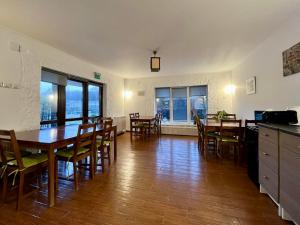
(97, 76)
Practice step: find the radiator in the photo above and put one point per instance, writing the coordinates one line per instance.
(188, 130)
(120, 121)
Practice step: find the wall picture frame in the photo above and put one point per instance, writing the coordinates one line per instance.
(291, 60)
(251, 86)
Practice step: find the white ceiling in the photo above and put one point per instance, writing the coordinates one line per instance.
(192, 36)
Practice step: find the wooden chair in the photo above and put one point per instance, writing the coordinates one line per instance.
(82, 149)
(14, 165)
(231, 134)
(231, 116)
(101, 120)
(247, 122)
(136, 128)
(211, 116)
(206, 139)
(104, 143)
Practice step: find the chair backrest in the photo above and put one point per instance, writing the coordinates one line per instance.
(85, 137)
(131, 115)
(106, 133)
(101, 120)
(137, 115)
(9, 147)
(231, 128)
(231, 116)
(211, 116)
(247, 122)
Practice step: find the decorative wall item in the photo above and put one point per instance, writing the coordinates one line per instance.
(251, 86)
(291, 60)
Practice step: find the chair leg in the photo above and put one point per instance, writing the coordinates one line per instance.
(4, 190)
(75, 176)
(102, 159)
(95, 158)
(21, 188)
(108, 154)
(92, 166)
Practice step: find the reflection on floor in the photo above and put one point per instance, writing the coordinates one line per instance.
(157, 181)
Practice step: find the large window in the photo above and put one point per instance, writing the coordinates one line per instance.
(163, 103)
(65, 100)
(94, 100)
(74, 100)
(179, 97)
(198, 101)
(48, 101)
(178, 104)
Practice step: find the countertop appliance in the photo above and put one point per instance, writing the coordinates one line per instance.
(280, 117)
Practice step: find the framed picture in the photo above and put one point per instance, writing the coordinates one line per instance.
(291, 60)
(251, 86)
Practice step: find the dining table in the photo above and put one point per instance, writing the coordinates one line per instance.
(141, 119)
(215, 125)
(49, 140)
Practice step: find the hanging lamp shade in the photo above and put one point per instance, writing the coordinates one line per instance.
(155, 63)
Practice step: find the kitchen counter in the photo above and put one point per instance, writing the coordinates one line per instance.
(289, 129)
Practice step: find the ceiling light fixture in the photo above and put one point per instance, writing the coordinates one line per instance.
(155, 62)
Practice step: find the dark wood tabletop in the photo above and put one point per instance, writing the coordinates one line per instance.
(51, 135)
(54, 138)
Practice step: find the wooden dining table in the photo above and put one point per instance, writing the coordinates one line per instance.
(50, 139)
(214, 125)
(142, 119)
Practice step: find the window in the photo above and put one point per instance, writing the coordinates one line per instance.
(163, 103)
(198, 101)
(48, 101)
(74, 100)
(67, 101)
(176, 104)
(94, 100)
(179, 96)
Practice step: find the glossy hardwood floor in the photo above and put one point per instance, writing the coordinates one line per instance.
(158, 181)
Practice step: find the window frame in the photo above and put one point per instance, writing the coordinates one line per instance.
(188, 100)
(61, 105)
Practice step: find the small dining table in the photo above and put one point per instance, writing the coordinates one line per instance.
(50, 139)
(142, 119)
(214, 125)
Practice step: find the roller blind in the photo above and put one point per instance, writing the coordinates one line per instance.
(179, 92)
(54, 78)
(198, 90)
(162, 92)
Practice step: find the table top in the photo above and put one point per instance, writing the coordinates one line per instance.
(51, 135)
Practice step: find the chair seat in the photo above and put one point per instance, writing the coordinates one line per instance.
(228, 139)
(31, 160)
(69, 153)
(106, 143)
(212, 134)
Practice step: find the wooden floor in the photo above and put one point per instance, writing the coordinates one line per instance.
(159, 181)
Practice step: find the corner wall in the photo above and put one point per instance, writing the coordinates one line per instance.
(20, 108)
(265, 62)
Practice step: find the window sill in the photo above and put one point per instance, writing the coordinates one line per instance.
(179, 124)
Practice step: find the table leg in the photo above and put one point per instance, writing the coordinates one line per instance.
(51, 177)
(130, 130)
(149, 127)
(115, 143)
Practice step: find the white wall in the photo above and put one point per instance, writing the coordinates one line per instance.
(273, 90)
(19, 109)
(216, 82)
